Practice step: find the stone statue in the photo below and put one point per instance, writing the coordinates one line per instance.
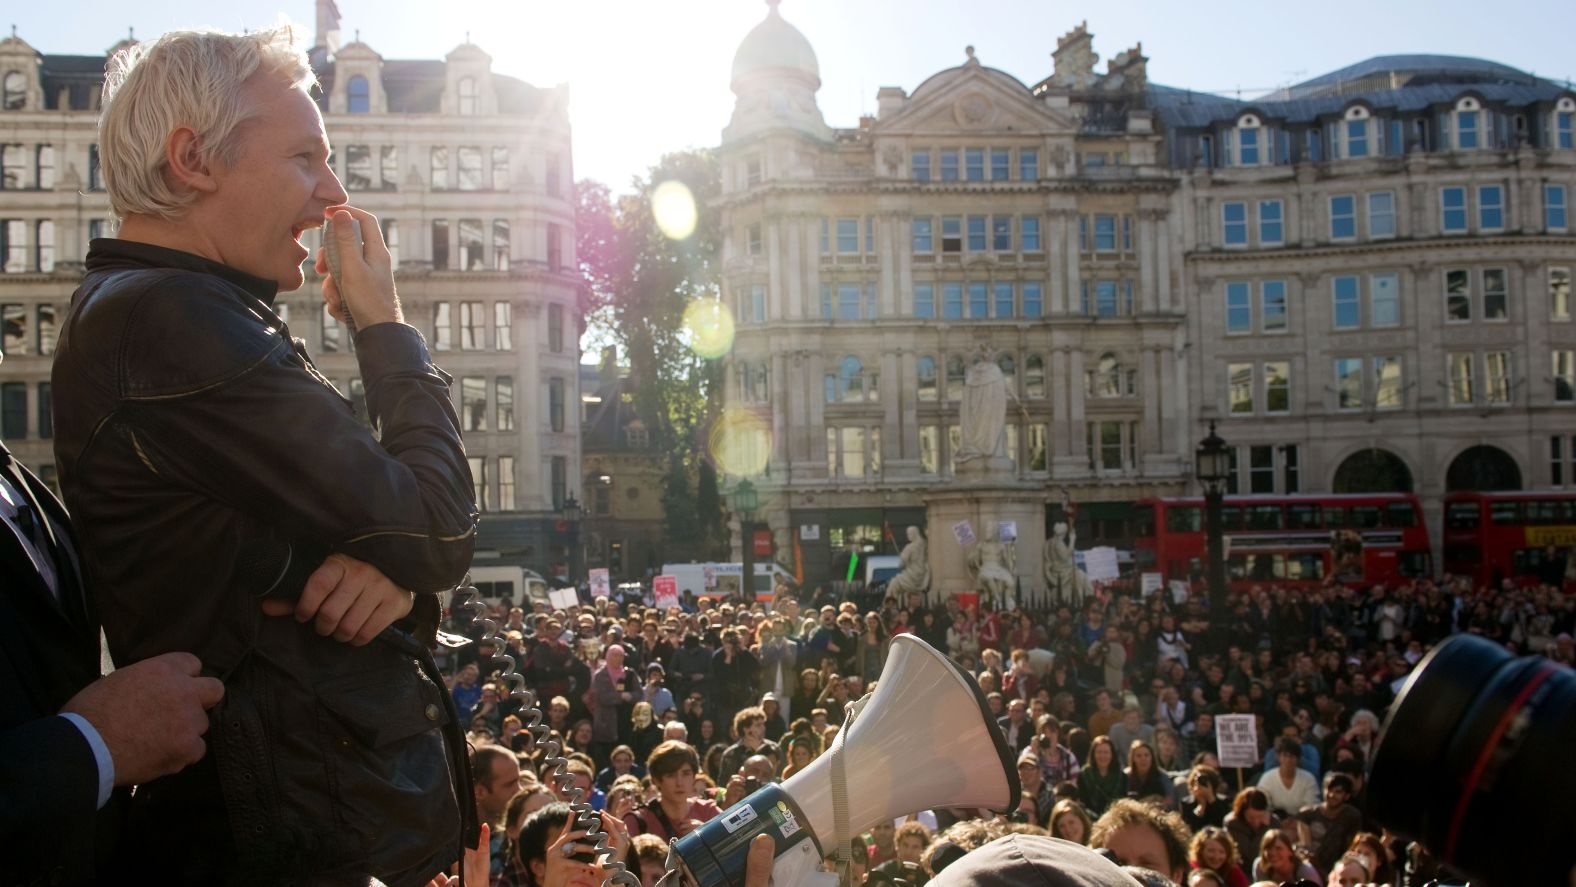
(1063, 580)
(992, 575)
(914, 570)
(984, 414)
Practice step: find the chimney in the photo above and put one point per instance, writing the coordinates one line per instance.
(327, 38)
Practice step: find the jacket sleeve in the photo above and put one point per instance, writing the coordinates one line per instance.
(268, 435)
(50, 780)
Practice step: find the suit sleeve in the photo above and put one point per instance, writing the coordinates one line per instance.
(50, 782)
(272, 438)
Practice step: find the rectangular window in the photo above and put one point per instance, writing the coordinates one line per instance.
(478, 481)
(848, 235)
(974, 164)
(503, 387)
(46, 412)
(1127, 234)
(1555, 217)
(1564, 378)
(1029, 227)
(1001, 233)
(1004, 300)
(826, 301)
(1271, 227)
(1381, 214)
(503, 326)
(500, 244)
(505, 483)
(826, 237)
(1033, 304)
(13, 410)
(1239, 307)
(1384, 299)
(1560, 292)
(473, 327)
(1029, 164)
(951, 234)
(473, 251)
(848, 301)
(922, 230)
(559, 480)
(331, 331)
(1261, 469)
(929, 449)
(552, 176)
(1357, 138)
(440, 244)
(1467, 130)
(979, 302)
(1000, 164)
(1458, 295)
(1277, 387)
(924, 300)
(1234, 223)
(1346, 308)
(555, 327)
(1105, 302)
(1240, 378)
(13, 167)
(752, 240)
(1272, 305)
(13, 321)
(919, 165)
(439, 165)
(976, 234)
(1387, 382)
(388, 168)
(13, 246)
(952, 301)
(758, 303)
(1290, 475)
(46, 167)
(1248, 142)
(949, 165)
(1461, 393)
(1453, 210)
(473, 403)
(1343, 217)
(1496, 377)
(44, 245)
(1083, 234)
(1564, 124)
(555, 247)
(500, 168)
(1491, 207)
(47, 329)
(555, 404)
(1495, 298)
(852, 441)
(358, 167)
(1348, 383)
(870, 235)
(442, 327)
(1105, 234)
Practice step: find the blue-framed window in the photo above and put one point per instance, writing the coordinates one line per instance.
(1001, 233)
(924, 235)
(1234, 223)
(1248, 141)
(1033, 301)
(1029, 164)
(1357, 138)
(1565, 129)
(358, 94)
(1127, 234)
(1105, 234)
(1313, 146)
(976, 234)
(1272, 230)
(974, 164)
(1004, 299)
(919, 166)
(758, 303)
(1343, 217)
(1384, 299)
(924, 300)
(1272, 305)
(979, 301)
(1105, 301)
(826, 301)
(1381, 214)
(1555, 217)
(1395, 138)
(848, 301)
(848, 235)
(951, 234)
(1000, 164)
(1239, 307)
(1491, 207)
(1029, 228)
(1466, 130)
(949, 165)
(952, 301)
(1346, 308)
(1453, 210)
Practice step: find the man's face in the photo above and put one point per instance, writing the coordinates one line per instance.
(1016, 711)
(911, 848)
(1140, 845)
(1029, 776)
(278, 185)
(678, 784)
(756, 729)
(1335, 796)
(493, 794)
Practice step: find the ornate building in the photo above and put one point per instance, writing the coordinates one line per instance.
(1364, 279)
(469, 172)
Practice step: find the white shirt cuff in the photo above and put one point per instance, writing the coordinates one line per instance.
(106, 763)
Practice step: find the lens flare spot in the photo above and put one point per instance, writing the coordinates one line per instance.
(740, 442)
(710, 328)
(674, 208)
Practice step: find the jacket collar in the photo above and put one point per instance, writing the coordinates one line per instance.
(113, 254)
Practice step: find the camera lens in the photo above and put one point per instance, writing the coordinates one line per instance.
(1475, 741)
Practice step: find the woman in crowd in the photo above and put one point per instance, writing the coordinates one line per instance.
(1351, 870)
(1250, 818)
(1374, 849)
(1170, 757)
(579, 738)
(1204, 806)
(963, 635)
(801, 751)
(870, 651)
(1058, 764)
(1278, 861)
(806, 693)
(1102, 781)
(1144, 779)
(1070, 821)
(1213, 849)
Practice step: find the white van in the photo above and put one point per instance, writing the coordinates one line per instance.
(524, 587)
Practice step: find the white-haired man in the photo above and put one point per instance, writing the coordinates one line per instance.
(211, 470)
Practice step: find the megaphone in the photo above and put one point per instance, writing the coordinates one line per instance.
(925, 738)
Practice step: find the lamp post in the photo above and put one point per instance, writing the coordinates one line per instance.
(572, 518)
(1212, 466)
(744, 501)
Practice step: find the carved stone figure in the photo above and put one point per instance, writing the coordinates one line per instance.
(1063, 580)
(984, 414)
(992, 574)
(914, 568)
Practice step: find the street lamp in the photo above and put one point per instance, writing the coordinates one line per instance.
(1212, 467)
(571, 509)
(745, 500)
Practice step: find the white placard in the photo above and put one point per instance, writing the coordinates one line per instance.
(809, 532)
(964, 533)
(709, 576)
(563, 598)
(1007, 531)
(601, 586)
(1237, 741)
(665, 591)
(1150, 583)
(1179, 591)
(1100, 564)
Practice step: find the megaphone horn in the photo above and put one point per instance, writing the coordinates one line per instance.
(925, 738)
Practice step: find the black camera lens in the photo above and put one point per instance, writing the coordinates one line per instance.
(1475, 749)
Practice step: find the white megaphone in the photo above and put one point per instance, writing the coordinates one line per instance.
(923, 739)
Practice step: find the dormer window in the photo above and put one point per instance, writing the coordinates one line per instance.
(468, 97)
(358, 95)
(1565, 124)
(14, 94)
(1469, 116)
(1355, 132)
(1250, 141)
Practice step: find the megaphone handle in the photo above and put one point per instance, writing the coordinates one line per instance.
(842, 841)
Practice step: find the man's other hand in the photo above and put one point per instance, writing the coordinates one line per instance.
(348, 599)
(151, 715)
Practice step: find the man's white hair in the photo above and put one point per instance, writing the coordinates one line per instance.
(183, 79)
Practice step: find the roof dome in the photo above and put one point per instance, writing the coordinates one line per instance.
(775, 44)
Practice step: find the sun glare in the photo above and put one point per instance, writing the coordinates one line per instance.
(710, 328)
(674, 209)
(740, 442)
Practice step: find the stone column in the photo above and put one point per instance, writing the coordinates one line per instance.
(1149, 267)
(793, 248)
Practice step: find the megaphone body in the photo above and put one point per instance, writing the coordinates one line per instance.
(925, 738)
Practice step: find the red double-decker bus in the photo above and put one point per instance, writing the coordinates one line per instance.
(1506, 535)
(1357, 538)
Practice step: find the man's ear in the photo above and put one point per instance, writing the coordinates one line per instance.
(184, 159)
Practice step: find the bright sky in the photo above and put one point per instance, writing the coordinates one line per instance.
(650, 76)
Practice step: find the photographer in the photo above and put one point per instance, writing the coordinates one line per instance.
(675, 812)
(749, 728)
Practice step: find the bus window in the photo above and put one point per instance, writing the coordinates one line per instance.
(1302, 517)
(1400, 514)
(1184, 519)
(1416, 563)
(1230, 517)
(1264, 517)
(1237, 567)
(1334, 517)
(1365, 517)
(1308, 566)
(1504, 512)
(1544, 511)
(1264, 567)
(1144, 520)
(1461, 515)
(1466, 555)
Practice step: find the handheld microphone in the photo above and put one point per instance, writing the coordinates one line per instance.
(331, 253)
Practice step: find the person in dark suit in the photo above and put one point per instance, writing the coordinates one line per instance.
(1016, 727)
(70, 740)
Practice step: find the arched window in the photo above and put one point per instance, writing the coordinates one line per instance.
(1356, 137)
(1469, 124)
(925, 369)
(358, 94)
(1009, 369)
(956, 371)
(1034, 376)
(468, 103)
(848, 384)
(14, 96)
(1250, 147)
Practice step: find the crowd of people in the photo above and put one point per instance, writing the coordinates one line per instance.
(667, 717)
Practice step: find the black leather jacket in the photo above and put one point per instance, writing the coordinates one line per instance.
(207, 463)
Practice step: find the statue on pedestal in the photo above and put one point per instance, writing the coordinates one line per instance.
(914, 568)
(992, 574)
(983, 417)
(1065, 583)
